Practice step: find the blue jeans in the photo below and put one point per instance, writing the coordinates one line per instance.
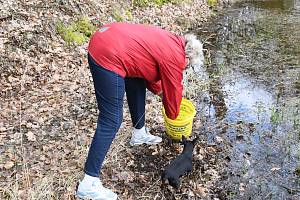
(109, 89)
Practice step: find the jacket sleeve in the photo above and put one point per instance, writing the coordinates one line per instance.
(171, 78)
(155, 87)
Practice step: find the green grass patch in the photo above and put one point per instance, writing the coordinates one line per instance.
(122, 15)
(117, 15)
(276, 116)
(77, 32)
(128, 15)
(212, 3)
(146, 3)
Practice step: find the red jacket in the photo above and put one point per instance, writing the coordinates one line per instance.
(134, 50)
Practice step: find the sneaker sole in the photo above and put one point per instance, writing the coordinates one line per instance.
(84, 198)
(140, 143)
(89, 198)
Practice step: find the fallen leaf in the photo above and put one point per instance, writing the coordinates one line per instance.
(275, 168)
(2, 129)
(9, 165)
(200, 191)
(211, 150)
(130, 197)
(219, 139)
(29, 125)
(191, 193)
(242, 187)
(30, 136)
(126, 176)
(155, 152)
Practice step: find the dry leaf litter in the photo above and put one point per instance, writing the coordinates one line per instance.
(48, 108)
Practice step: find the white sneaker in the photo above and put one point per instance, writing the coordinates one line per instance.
(94, 191)
(142, 136)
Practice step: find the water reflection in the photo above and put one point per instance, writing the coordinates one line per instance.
(217, 99)
(254, 83)
(247, 101)
(276, 4)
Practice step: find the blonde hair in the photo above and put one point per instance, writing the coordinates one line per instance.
(194, 50)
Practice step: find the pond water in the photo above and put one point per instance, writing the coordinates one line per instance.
(253, 52)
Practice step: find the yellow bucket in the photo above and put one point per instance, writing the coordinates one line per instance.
(183, 124)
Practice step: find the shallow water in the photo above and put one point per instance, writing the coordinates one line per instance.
(254, 74)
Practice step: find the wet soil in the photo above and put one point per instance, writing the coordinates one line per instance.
(253, 52)
(247, 113)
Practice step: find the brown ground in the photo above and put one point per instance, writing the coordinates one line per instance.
(48, 109)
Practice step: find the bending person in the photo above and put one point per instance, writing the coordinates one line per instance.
(129, 58)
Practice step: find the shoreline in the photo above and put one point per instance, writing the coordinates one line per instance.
(48, 108)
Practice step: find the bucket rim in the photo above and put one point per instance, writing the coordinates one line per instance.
(189, 118)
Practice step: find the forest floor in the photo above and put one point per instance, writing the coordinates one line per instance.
(48, 107)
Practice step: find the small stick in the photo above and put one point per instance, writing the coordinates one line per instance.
(150, 187)
(290, 189)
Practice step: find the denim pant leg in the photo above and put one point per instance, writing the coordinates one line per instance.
(136, 94)
(109, 89)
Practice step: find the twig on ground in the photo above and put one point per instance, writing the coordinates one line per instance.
(290, 190)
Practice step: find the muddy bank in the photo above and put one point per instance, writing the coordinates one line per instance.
(254, 90)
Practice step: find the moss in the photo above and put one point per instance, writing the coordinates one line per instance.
(145, 3)
(122, 14)
(60, 28)
(213, 14)
(275, 116)
(128, 15)
(140, 3)
(77, 32)
(212, 3)
(297, 171)
(160, 2)
(70, 36)
(84, 26)
(117, 15)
